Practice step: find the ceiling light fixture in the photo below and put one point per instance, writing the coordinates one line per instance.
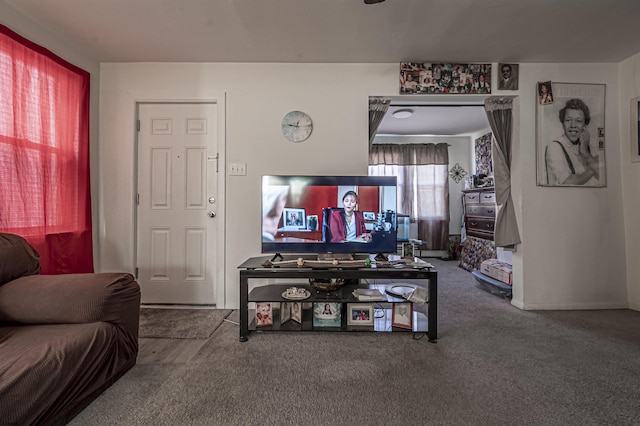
(372, 1)
(402, 113)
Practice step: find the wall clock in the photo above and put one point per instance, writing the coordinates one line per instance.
(296, 126)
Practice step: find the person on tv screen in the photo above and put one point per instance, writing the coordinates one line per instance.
(348, 224)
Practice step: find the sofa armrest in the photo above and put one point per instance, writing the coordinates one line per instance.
(72, 298)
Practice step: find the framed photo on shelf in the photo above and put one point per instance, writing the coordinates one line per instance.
(296, 312)
(285, 312)
(635, 130)
(327, 314)
(360, 314)
(570, 137)
(294, 219)
(402, 315)
(263, 314)
(407, 251)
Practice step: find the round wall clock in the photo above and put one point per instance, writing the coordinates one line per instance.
(296, 126)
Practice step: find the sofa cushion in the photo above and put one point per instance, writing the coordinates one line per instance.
(17, 258)
(49, 371)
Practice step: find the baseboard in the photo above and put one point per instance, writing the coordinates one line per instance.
(634, 306)
(568, 306)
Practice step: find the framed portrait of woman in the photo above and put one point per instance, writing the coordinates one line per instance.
(570, 136)
(402, 315)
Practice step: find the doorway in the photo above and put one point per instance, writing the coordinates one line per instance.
(179, 228)
(437, 119)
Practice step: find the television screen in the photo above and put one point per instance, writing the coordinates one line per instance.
(329, 214)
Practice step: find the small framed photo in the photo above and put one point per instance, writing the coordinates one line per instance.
(545, 93)
(285, 312)
(296, 311)
(369, 215)
(407, 251)
(294, 219)
(327, 314)
(263, 314)
(402, 315)
(508, 77)
(360, 314)
(312, 222)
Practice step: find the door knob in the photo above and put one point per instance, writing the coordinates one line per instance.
(211, 213)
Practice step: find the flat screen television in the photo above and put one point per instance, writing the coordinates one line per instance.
(329, 214)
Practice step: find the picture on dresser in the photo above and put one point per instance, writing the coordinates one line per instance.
(570, 137)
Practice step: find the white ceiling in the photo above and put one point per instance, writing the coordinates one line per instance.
(461, 116)
(344, 31)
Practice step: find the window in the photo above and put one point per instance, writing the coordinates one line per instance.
(44, 154)
(423, 185)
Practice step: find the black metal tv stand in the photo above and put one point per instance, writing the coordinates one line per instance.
(254, 268)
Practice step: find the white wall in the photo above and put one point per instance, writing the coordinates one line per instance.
(572, 255)
(36, 34)
(460, 153)
(630, 87)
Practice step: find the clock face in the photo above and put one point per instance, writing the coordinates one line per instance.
(296, 126)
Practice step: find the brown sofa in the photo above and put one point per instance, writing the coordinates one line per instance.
(64, 339)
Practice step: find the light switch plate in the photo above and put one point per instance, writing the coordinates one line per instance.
(238, 169)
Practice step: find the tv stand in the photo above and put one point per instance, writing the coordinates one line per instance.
(380, 277)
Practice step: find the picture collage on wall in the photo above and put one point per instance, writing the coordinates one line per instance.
(441, 78)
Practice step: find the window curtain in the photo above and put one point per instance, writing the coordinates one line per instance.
(423, 185)
(378, 107)
(500, 116)
(44, 154)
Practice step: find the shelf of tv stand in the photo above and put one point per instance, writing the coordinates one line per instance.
(252, 269)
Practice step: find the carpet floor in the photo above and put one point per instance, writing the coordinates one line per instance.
(180, 323)
(493, 365)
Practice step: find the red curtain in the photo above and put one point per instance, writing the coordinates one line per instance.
(44, 154)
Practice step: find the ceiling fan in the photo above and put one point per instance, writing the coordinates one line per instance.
(372, 1)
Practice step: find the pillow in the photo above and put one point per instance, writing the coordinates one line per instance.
(17, 258)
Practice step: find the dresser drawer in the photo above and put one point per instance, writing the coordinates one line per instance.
(472, 198)
(487, 197)
(481, 224)
(480, 210)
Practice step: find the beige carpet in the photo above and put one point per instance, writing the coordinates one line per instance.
(180, 323)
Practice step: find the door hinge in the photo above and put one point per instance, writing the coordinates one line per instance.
(138, 198)
(136, 273)
(138, 125)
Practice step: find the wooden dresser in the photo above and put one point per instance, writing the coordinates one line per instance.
(480, 212)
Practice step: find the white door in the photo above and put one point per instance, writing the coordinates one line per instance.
(177, 202)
